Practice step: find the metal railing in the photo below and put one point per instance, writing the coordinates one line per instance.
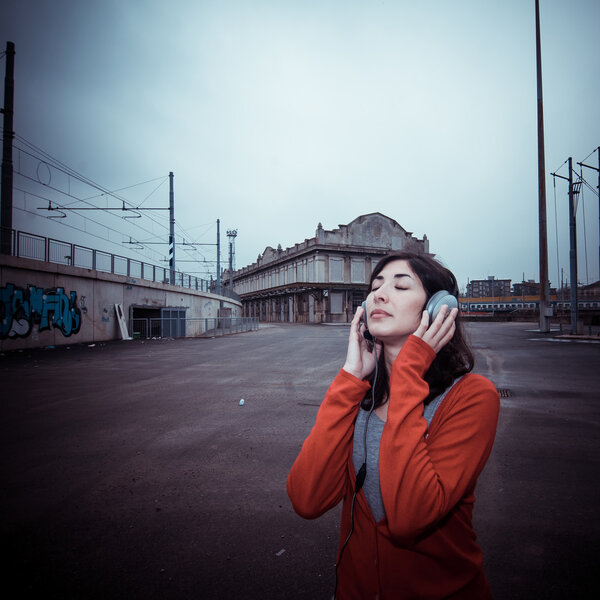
(38, 247)
(203, 327)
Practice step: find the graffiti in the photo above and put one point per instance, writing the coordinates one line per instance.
(21, 309)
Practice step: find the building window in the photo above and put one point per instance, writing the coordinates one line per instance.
(336, 303)
(282, 276)
(311, 270)
(374, 262)
(300, 271)
(336, 269)
(358, 271)
(320, 270)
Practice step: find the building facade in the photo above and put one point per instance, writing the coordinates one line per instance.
(325, 278)
(480, 288)
(526, 288)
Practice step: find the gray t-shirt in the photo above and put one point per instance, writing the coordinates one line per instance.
(371, 486)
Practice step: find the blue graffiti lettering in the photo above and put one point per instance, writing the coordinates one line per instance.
(14, 312)
(36, 300)
(21, 309)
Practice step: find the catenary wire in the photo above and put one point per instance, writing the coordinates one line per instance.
(44, 157)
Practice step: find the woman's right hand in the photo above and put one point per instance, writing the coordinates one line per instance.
(360, 361)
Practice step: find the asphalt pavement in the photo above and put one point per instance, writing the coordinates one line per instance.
(132, 469)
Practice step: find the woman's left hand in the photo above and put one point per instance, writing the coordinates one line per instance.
(440, 332)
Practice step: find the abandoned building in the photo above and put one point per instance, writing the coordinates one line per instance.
(325, 278)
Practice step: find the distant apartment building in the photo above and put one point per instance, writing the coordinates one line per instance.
(322, 279)
(487, 288)
(526, 288)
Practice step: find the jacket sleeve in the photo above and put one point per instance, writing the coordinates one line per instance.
(318, 478)
(422, 482)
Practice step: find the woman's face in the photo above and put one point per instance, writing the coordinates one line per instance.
(395, 303)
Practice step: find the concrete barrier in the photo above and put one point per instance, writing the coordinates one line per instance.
(47, 304)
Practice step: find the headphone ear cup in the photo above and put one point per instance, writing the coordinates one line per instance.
(366, 333)
(438, 300)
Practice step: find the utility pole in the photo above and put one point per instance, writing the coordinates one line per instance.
(218, 256)
(598, 171)
(574, 190)
(573, 250)
(171, 230)
(543, 235)
(468, 296)
(7, 163)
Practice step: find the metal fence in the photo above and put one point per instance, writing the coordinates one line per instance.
(37, 247)
(203, 327)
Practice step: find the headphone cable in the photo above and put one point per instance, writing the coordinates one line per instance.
(361, 475)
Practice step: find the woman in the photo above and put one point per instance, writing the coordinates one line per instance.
(407, 531)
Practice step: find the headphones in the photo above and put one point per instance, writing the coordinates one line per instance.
(438, 300)
(366, 333)
(433, 308)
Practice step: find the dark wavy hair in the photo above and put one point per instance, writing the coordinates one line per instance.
(454, 359)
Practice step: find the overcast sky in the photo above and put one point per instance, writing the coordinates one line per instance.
(277, 115)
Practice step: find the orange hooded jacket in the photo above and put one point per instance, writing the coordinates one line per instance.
(425, 547)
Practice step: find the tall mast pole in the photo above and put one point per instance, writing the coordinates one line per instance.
(543, 235)
(7, 145)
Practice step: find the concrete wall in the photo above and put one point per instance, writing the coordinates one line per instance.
(45, 304)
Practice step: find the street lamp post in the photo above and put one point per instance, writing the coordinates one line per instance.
(231, 234)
